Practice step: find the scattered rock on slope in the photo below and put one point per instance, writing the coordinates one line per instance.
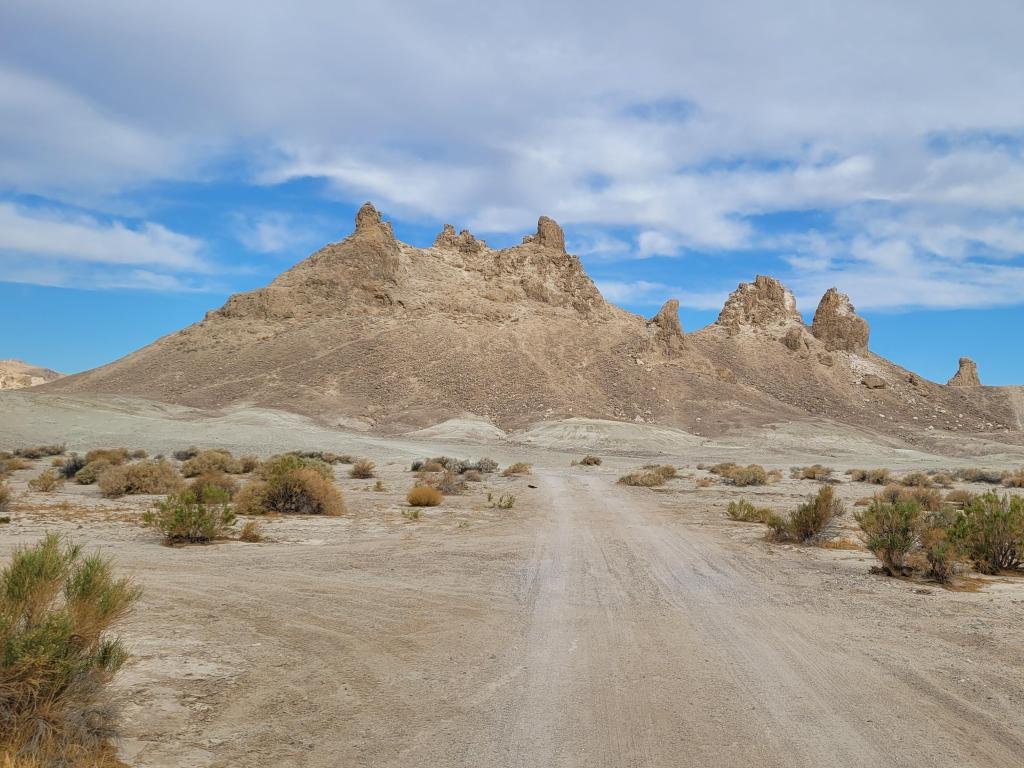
(967, 375)
(837, 325)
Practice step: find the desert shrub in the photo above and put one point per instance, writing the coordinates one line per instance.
(248, 463)
(929, 499)
(424, 496)
(810, 519)
(70, 466)
(959, 498)
(427, 466)
(251, 532)
(746, 512)
(857, 475)
(210, 484)
(941, 549)
(297, 491)
(448, 482)
(283, 463)
(57, 654)
(591, 461)
(187, 453)
(943, 479)
(916, 480)
(91, 472)
(872, 476)
(109, 455)
(362, 469)
(1014, 479)
(486, 465)
(185, 517)
(754, 474)
(472, 476)
(325, 456)
(5, 497)
(720, 469)
(650, 477)
(991, 532)
(504, 501)
(139, 453)
(976, 475)
(814, 472)
(39, 451)
(46, 481)
(57, 462)
(412, 513)
(211, 461)
(14, 463)
(704, 482)
(892, 530)
(519, 468)
(149, 476)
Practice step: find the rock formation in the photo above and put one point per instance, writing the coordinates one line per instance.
(548, 234)
(837, 325)
(14, 374)
(464, 241)
(761, 305)
(967, 375)
(666, 332)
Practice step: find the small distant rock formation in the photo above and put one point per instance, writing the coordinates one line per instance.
(967, 375)
(549, 235)
(665, 330)
(464, 241)
(838, 326)
(14, 374)
(761, 304)
(873, 382)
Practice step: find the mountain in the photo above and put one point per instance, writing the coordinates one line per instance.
(373, 333)
(14, 374)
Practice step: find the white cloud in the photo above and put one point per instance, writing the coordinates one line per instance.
(278, 233)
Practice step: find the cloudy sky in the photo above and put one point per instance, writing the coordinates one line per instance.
(156, 157)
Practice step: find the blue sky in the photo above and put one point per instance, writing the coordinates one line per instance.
(154, 160)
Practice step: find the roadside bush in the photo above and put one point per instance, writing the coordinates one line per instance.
(975, 475)
(46, 481)
(57, 654)
(211, 484)
(941, 549)
(109, 455)
(1014, 479)
(519, 468)
(251, 532)
(249, 463)
(504, 501)
(746, 512)
(991, 532)
(149, 476)
(39, 451)
(810, 519)
(297, 491)
(283, 463)
(814, 472)
(5, 497)
(943, 479)
(892, 530)
(424, 496)
(650, 476)
(186, 518)
(959, 498)
(591, 461)
(872, 476)
(211, 461)
(91, 472)
(71, 465)
(916, 480)
(753, 474)
(362, 469)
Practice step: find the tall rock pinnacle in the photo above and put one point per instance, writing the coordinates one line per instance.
(838, 326)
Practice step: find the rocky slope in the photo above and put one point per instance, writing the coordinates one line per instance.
(14, 374)
(371, 332)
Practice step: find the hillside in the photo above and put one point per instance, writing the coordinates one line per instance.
(15, 374)
(373, 333)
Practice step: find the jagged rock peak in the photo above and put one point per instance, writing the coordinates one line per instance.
(664, 328)
(368, 220)
(549, 235)
(967, 375)
(761, 304)
(464, 241)
(838, 326)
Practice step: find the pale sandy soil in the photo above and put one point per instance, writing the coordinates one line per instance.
(591, 625)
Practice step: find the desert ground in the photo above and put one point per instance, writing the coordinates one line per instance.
(592, 624)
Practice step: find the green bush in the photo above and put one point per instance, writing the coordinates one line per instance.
(892, 530)
(71, 466)
(184, 517)
(109, 455)
(57, 655)
(5, 497)
(205, 462)
(746, 512)
(283, 463)
(991, 532)
(811, 518)
(214, 483)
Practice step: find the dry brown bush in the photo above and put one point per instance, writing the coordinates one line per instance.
(362, 469)
(5, 497)
(916, 480)
(1014, 479)
(216, 479)
(91, 472)
(39, 451)
(249, 464)
(109, 455)
(251, 532)
(149, 476)
(591, 461)
(211, 461)
(297, 491)
(424, 496)
(472, 476)
(959, 497)
(519, 468)
(817, 472)
(46, 481)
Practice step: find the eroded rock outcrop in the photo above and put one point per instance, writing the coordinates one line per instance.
(665, 332)
(838, 326)
(548, 234)
(763, 304)
(967, 375)
(465, 241)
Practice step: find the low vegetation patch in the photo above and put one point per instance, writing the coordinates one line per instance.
(916, 480)
(91, 472)
(46, 481)
(990, 531)
(504, 501)
(206, 462)
(872, 476)
(424, 496)
(892, 530)
(650, 476)
(251, 532)
(519, 468)
(810, 520)
(186, 518)
(212, 484)
(71, 465)
(39, 451)
(109, 455)
(58, 656)
(817, 472)
(976, 475)
(13, 464)
(484, 466)
(744, 511)
(298, 490)
(283, 463)
(362, 469)
(752, 474)
(5, 497)
(325, 456)
(590, 461)
(150, 476)
(1014, 479)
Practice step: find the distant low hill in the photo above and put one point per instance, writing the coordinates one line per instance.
(14, 374)
(374, 333)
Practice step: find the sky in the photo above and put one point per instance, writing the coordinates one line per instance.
(156, 158)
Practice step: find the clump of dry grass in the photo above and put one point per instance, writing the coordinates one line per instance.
(91, 472)
(187, 518)
(249, 463)
(363, 469)
(187, 453)
(872, 476)
(744, 511)
(325, 456)
(929, 499)
(46, 481)
(976, 475)
(57, 655)
(251, 532)
(295, 490)
(958, 498)
(943, 479)
(519, 468)
(149, 476)
(5, 497)
(424, 496)
(1014, 479)
(817, 472)
(71, 465)
(285, 462)
(504, 501)
(39, 451)
(13, 464)
(752, 474)
(650, 476)
(472, 476)
(206, 462)
(449, 483)
(109, 455)
(590, 461)
(916, 480)
(704, 482)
